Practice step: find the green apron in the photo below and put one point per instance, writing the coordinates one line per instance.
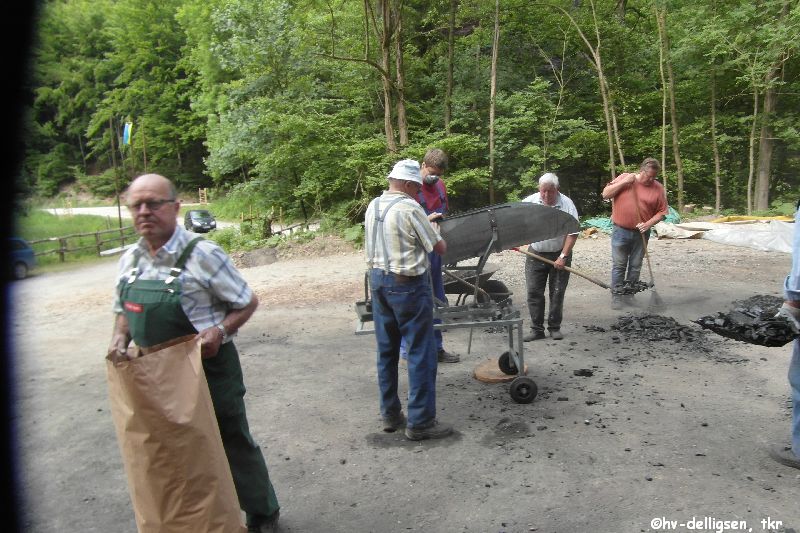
(155, 315)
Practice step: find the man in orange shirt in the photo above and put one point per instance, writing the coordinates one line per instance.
(639, 203)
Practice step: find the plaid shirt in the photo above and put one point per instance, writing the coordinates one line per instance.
(211, 285)
(408, 235)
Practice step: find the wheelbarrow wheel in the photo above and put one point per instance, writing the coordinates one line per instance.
(506, 364)
(523, 389)
(496, 289)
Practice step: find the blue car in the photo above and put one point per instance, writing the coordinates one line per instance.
(22, 257)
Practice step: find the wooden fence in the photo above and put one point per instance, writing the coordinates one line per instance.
(101, 239)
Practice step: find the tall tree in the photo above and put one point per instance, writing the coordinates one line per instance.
(493, 97)
(661, 17)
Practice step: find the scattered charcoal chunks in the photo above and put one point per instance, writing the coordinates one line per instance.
(752, 321)
(656, 328)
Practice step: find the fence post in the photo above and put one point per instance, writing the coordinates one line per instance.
(62, 248)
(97, 242)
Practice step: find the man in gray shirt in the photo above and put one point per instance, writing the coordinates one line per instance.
(538, 273)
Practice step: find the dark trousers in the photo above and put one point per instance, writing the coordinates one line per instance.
(248, 468)
(539, 274)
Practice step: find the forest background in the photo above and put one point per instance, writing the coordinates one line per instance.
(303, 106)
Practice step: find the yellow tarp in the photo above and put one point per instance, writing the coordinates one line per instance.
(745, 218)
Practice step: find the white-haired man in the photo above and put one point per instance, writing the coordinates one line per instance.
(539, 274)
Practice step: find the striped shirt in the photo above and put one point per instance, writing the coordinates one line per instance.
(563, 203)
(407, 233)
(210, 284)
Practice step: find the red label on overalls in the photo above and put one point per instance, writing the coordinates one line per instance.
(133, 307)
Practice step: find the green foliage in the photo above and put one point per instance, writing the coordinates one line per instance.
(103, 185)
(279, 104)
(233, 239)
(355, 234)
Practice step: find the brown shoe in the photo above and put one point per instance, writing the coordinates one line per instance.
(446, 357)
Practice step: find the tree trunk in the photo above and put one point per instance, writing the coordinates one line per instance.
(612, 131)
(714, 145)
(558, 74)
(386, 45)
(662, 28)
(448, 95)
(492, 96)
(663, 109)
(751, 155)
(766, 142)
(83, 153)
(402, 122)
(601, 79)
(621, 8)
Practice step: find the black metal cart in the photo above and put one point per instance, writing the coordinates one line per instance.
(483, 302)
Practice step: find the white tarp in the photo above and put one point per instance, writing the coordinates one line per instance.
(770, 236)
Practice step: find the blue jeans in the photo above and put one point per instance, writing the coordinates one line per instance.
(794, 381)
(627, 253)
(405, 310)
(437, 282)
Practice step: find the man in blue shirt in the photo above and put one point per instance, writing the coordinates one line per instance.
(790, 456)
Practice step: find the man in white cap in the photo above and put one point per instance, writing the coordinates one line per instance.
(398, 238)
(539, 274)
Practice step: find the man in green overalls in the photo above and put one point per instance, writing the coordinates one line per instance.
(173, 283)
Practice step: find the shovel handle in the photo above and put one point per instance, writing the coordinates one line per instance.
(568, 269)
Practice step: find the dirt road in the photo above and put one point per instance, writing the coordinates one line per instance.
(661, 430)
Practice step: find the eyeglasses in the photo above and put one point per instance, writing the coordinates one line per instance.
(152, 205)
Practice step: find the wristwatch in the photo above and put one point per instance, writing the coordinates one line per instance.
(562, 256)
(221, 327)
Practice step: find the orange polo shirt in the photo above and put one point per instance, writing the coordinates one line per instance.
(652, 201)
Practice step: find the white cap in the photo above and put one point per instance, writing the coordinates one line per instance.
(407, 170)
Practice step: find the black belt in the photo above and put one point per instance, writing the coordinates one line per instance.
(400, 278)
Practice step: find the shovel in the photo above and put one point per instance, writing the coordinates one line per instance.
(568, 269)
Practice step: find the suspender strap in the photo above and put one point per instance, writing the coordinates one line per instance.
(379, 219)
(175, 271)
(187, 252)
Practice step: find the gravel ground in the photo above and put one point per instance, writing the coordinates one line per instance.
(626, 431)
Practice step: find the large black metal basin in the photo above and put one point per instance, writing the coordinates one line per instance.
(515, 224)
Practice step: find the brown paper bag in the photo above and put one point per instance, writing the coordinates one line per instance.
(178, 475)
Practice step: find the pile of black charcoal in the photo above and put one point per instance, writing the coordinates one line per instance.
(752, 321)
(655, 328)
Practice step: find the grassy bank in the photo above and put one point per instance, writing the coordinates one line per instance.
(36, 225)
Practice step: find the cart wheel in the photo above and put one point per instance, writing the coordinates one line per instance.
(523, 389)
(506, 364)
(496, 289)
